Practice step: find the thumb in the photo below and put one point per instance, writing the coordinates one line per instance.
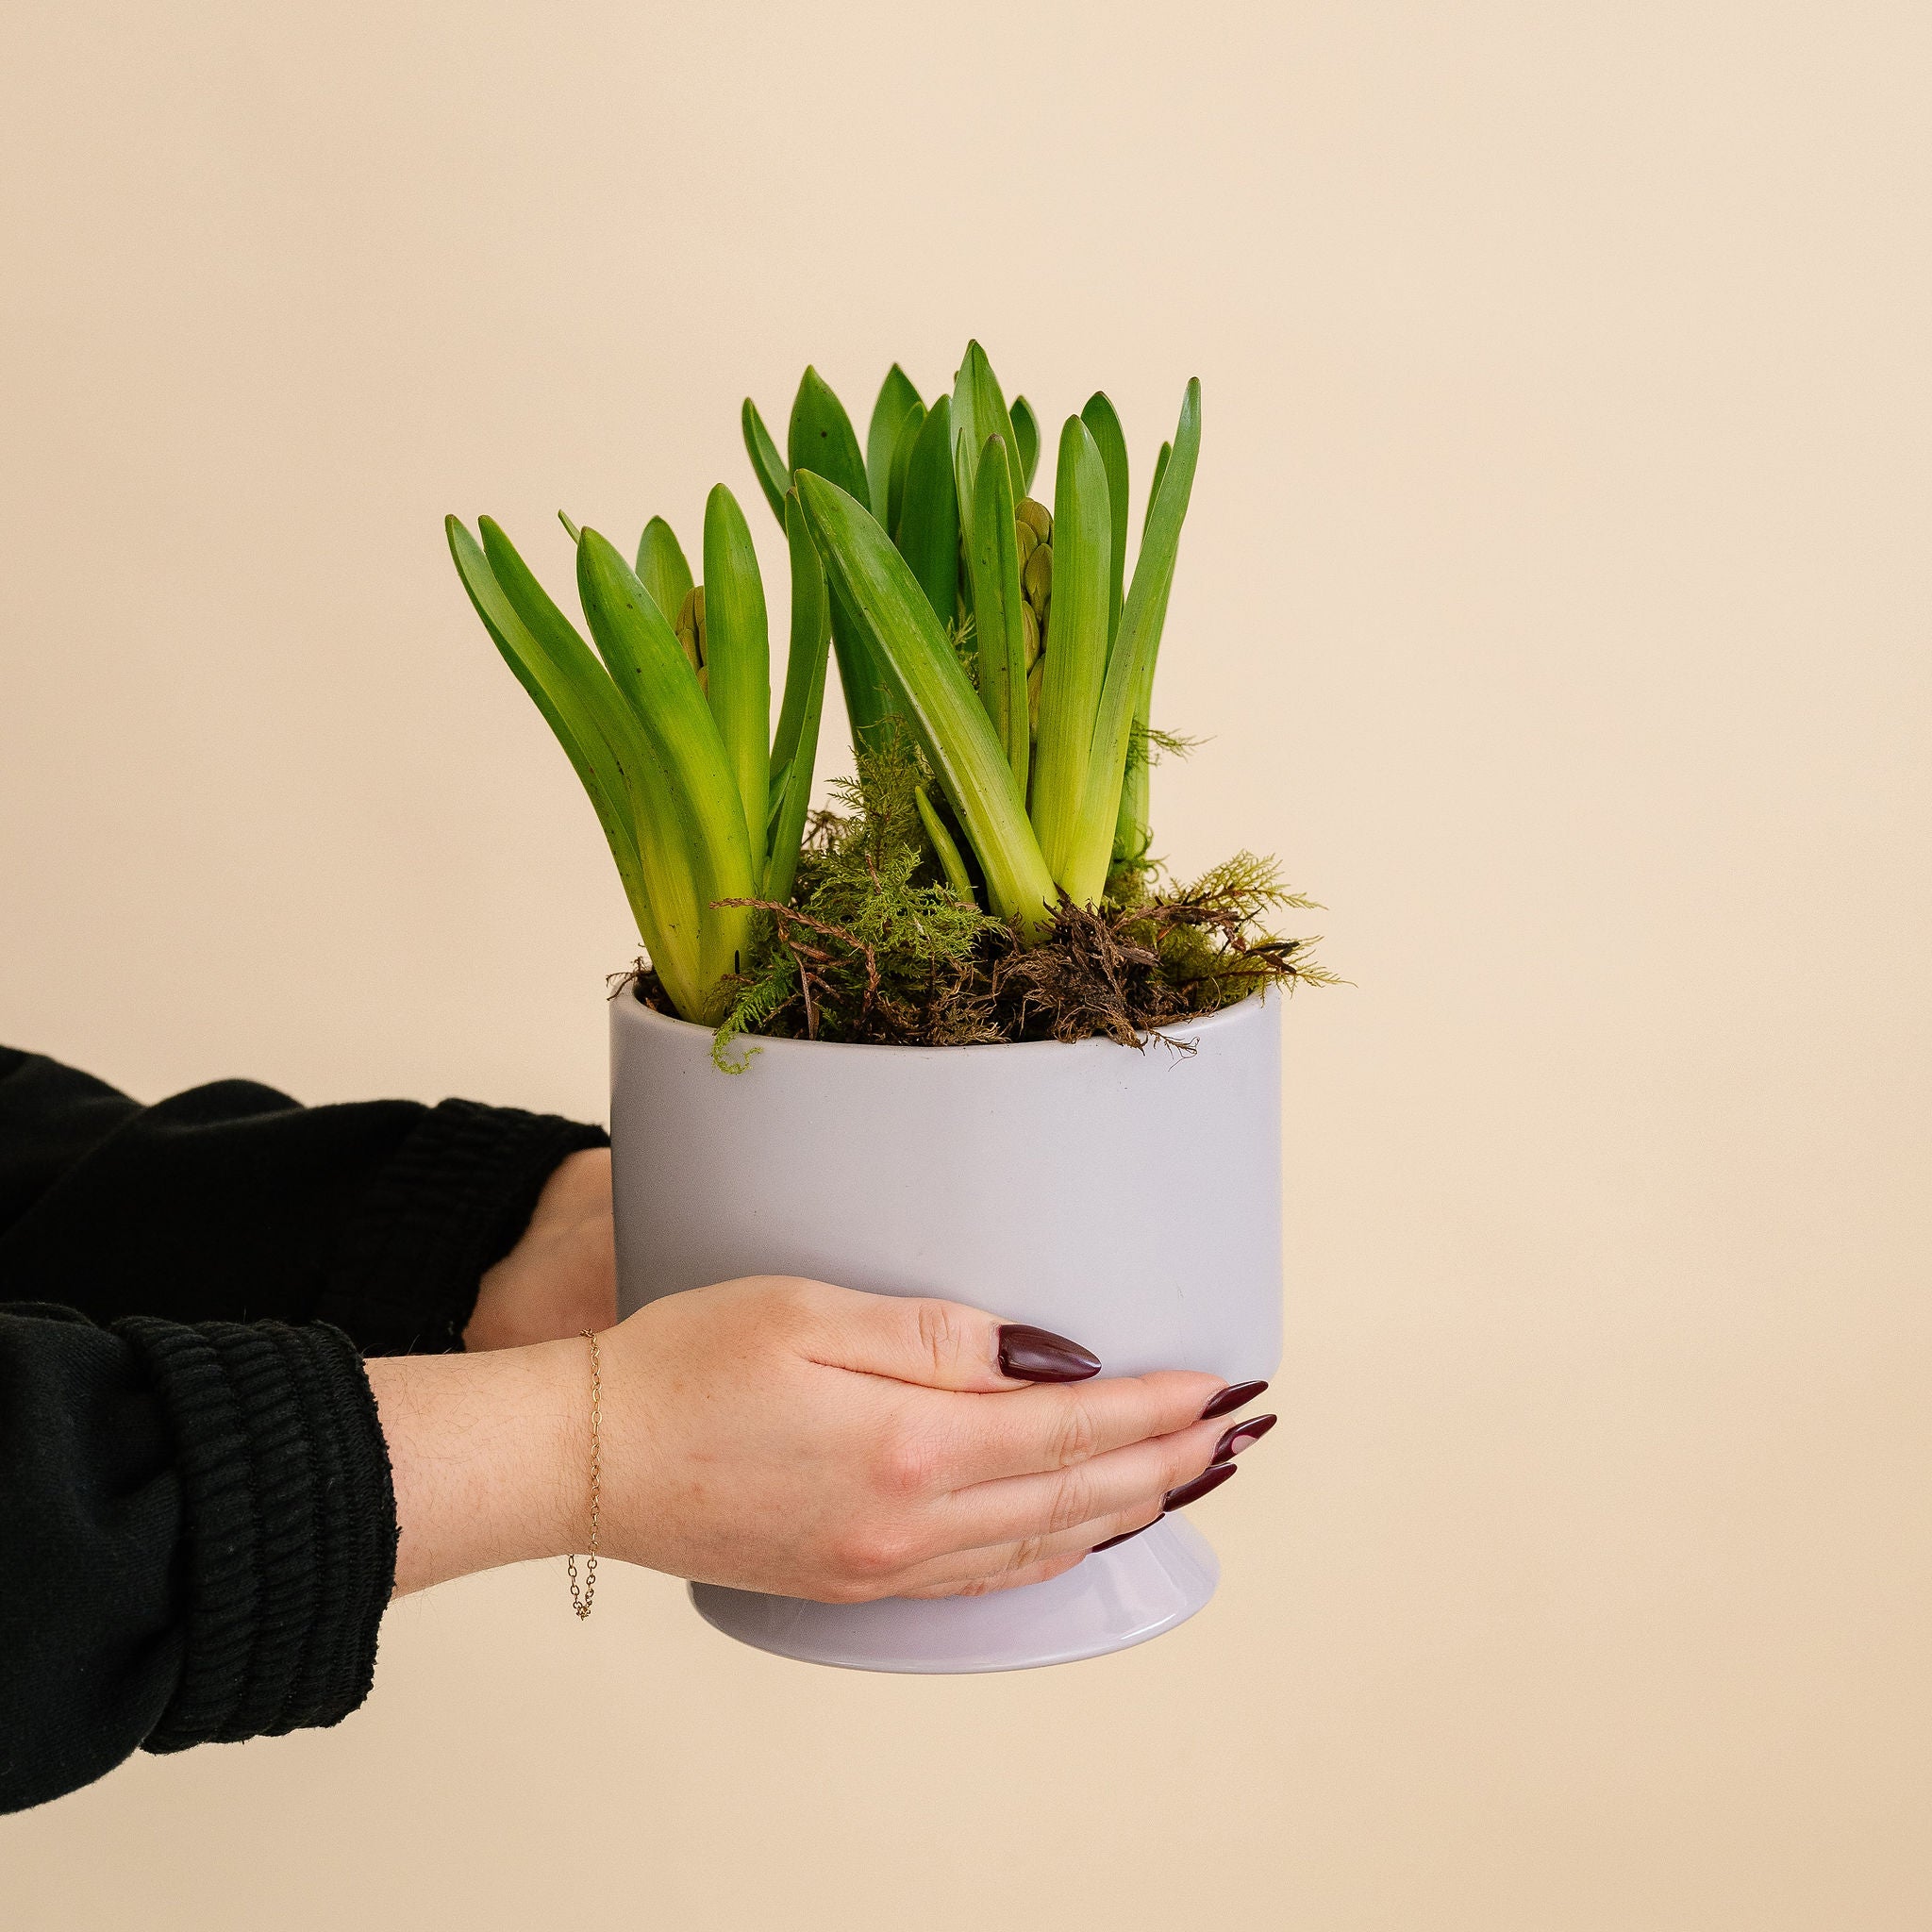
(941, 1344)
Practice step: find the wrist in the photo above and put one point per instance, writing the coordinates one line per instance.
(489, 1455)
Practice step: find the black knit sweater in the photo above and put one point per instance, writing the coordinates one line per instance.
(197, 1532)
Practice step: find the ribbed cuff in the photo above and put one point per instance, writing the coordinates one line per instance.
(452, 1203)
(289, 1543)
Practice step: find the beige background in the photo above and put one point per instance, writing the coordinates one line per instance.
(1555, 601)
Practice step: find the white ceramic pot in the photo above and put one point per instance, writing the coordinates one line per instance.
(1130, 1200)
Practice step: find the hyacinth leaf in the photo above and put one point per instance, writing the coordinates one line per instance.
(961, 401)
(929, 519)
(990, 415)
(1026, 434)
(896, 397)
(993, 560)
(951, 864)
(553, 633)
(781, 775)
(1075, 658)
(979, 412)
(567, 693)
(662, 569)
(889, 603)
(1160, 463)
(821, 439)
(1103, 424)
(1133, 835)
(810, 636)
(673, 935)
(559, 637)
(1134, 830)
(909, 427)
(774, 479)
(869, 703)
(738, 656)
(794, 752)
(1130, 668)
(540, 612)
(698, 795)
(571, 529)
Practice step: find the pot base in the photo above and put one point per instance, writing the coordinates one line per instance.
(1111, 1601)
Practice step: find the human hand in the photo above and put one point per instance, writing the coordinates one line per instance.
(561, 1277)
(786, 1435)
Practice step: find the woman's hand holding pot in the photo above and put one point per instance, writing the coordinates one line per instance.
(783, 1434)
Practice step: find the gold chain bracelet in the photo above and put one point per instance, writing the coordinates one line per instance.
(581, 1605)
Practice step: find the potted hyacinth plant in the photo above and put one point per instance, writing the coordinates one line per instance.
(904, 1045)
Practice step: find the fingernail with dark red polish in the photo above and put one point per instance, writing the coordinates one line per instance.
(1124, 1535)
(1231, 1399)
(1192, 1493)
(1033, 1355)
(1240, 1436)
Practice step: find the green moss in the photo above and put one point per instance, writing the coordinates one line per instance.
(874, 944)
(876, 947)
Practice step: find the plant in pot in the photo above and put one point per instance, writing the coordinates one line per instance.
(906, 1047)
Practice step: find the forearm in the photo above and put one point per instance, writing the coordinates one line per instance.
(489, 1455)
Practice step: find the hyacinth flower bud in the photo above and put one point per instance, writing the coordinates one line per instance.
(1033, 533)
(1037, 578)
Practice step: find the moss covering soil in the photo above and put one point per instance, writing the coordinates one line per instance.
(875, 947)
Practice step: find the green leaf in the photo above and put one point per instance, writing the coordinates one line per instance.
(867, 691)
(810, 634)
(1103, 424)
(774, 479)
(1160, 463)
(979, 410)
(896, 398)
(794, 753)
(774, 800)
(581, 707)
(1075, 662)
(821, 439)
(913, 422)
(889, 605)
(1134, 830)
(1128, 691)
(1133, 833)
(1027, 433)
(737, 657)
(993, 560)
(661, 858)
(820, 443)
(951, 864)
(661, 568)
(930, 520)
(570, 528)
(545, 617)
(695, 791)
